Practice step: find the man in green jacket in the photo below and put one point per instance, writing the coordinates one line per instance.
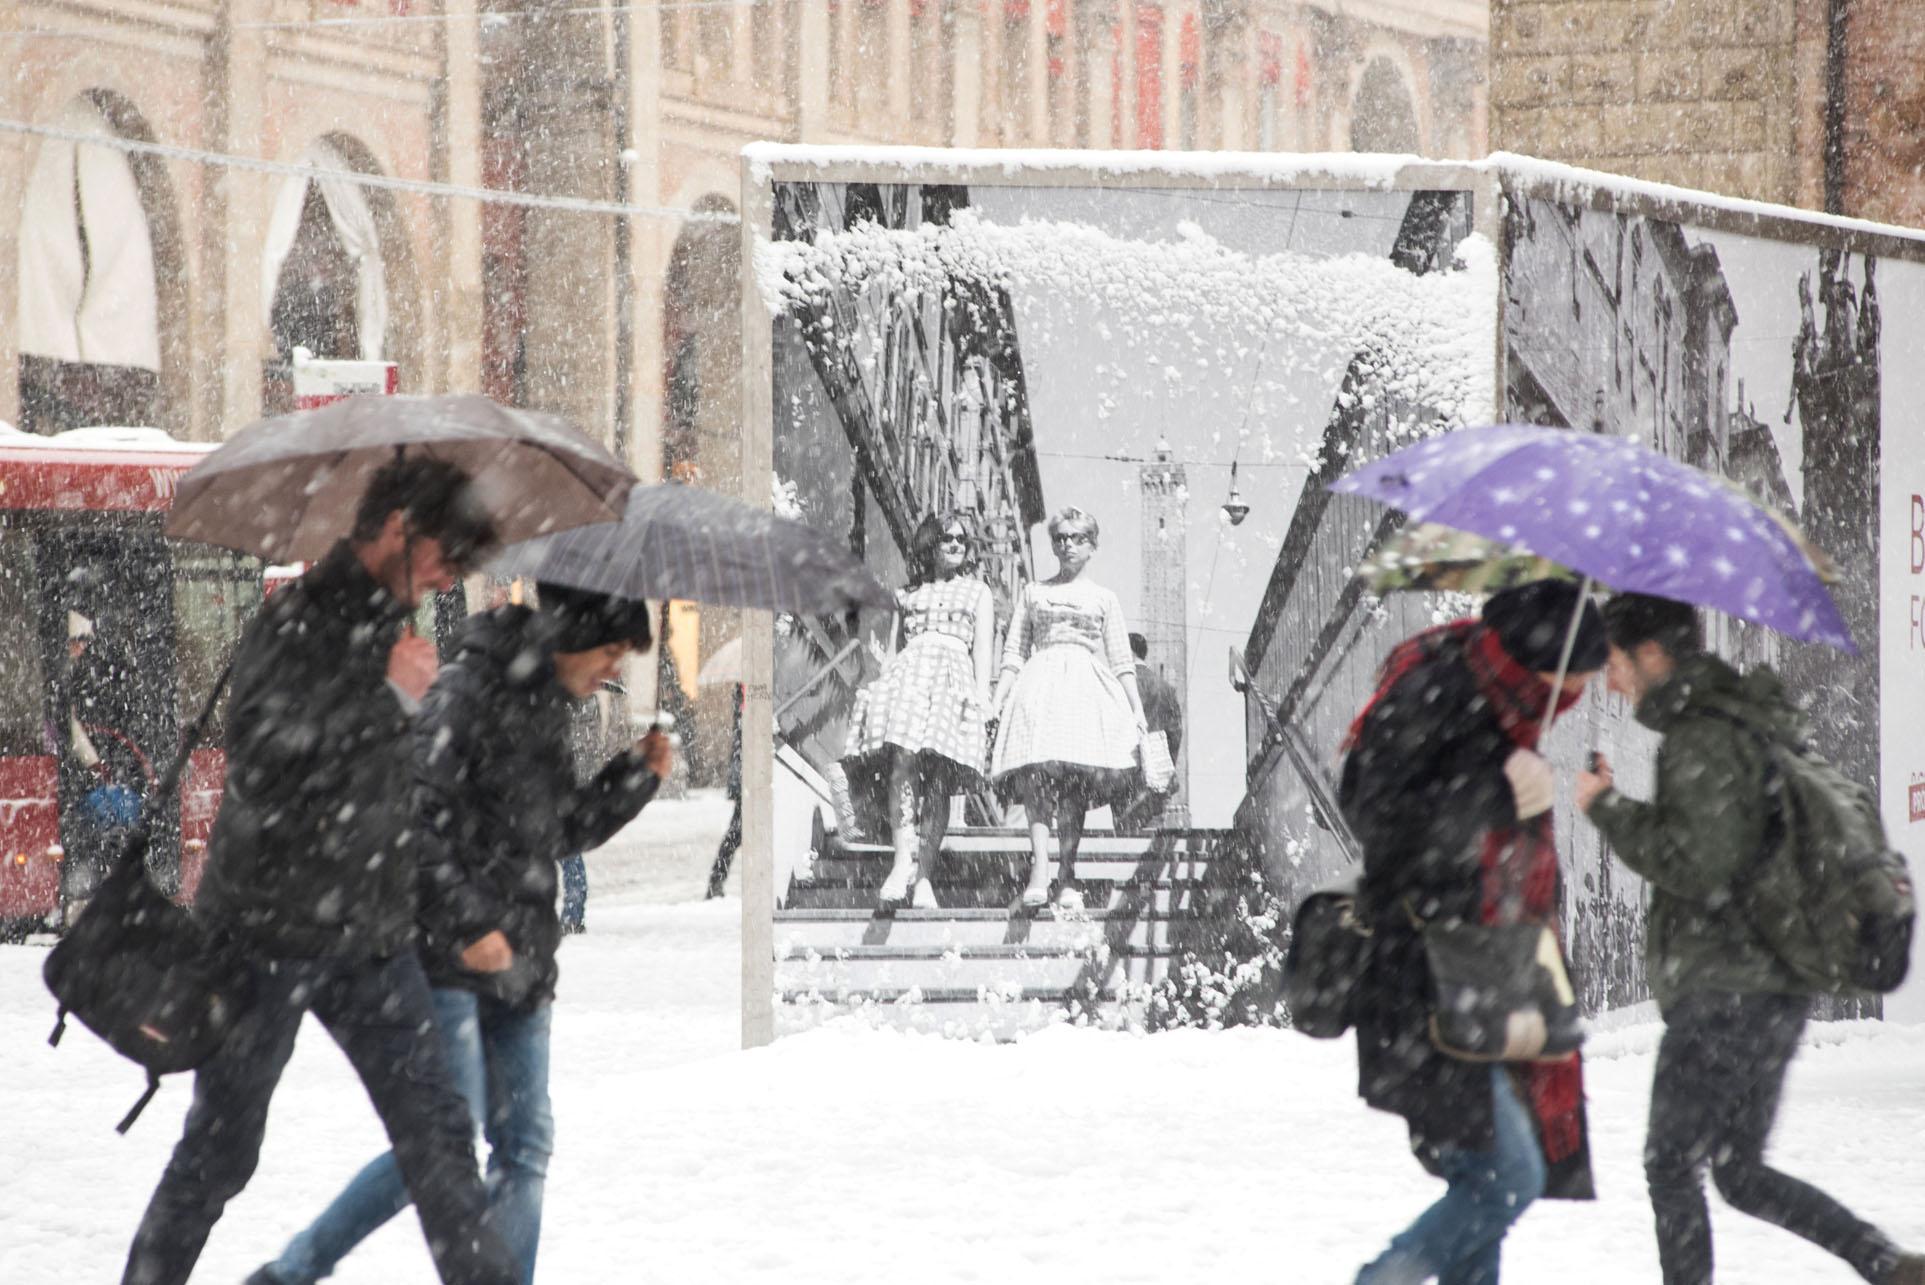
(1733, 1011)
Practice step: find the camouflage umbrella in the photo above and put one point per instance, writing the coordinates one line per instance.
(1429, 556)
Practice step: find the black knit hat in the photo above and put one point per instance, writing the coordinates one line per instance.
(1532, 621)
(585, 620)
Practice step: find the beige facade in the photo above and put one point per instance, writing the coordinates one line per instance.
(215, 78)
(628, 325)
(651, 105)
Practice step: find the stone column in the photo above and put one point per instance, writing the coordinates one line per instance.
(1099, 65)
(969, 54)
(458, 139)
(896, 31)
(741, 40)
(14, 150)
(842, 85)
(568, 150)
(649, 240)
(995, 29)
(234, 220)
(1236, 65)
(810, 92)
(1036, 71)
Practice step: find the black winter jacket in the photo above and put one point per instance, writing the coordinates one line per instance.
(499, 796)
(1420, 789)
(314, 852)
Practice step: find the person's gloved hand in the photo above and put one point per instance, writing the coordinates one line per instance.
(1532, 785)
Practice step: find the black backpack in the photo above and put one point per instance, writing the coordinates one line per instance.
(140, 971)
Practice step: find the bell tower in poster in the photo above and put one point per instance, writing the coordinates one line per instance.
(1164, 611)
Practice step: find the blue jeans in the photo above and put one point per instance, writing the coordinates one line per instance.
(500, 1063)
(574, 893)
(1458, 1240)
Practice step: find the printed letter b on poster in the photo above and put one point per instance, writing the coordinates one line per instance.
(1918, 534)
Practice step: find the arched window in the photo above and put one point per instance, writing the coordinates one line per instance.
(1383, 118)
(89, 332)
(323, 279)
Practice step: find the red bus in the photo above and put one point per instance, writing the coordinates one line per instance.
(110, 638)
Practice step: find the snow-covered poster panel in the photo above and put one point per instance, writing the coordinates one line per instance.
(1085, 433)
(1773, 356)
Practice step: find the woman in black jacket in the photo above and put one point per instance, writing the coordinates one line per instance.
(498, 795)
(1450, 801)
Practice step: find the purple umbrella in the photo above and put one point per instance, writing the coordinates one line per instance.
(1618, 512)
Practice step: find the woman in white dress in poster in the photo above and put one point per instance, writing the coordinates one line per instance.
(1069, 716)
(920, 725)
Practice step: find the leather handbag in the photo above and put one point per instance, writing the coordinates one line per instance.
(1501, 993)
(140, 971)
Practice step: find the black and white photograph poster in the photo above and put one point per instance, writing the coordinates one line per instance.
(1084, 434)
(1780, 364)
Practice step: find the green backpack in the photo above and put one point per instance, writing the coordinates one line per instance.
(1828, 896)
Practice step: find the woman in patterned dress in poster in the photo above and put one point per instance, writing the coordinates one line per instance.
(920, 725)
(1069, 716)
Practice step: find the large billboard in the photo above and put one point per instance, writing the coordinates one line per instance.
(967, 366)
(1768, 349)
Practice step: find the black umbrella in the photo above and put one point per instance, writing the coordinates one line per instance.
(286, 488)
(679, 541)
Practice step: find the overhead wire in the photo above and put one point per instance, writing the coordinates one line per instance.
(484, 17)
(423, 187)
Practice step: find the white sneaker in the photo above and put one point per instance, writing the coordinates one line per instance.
(925, 896)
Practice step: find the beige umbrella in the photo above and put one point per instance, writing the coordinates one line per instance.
(286, 488)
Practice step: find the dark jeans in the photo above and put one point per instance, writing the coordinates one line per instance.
(1721, 1069)
(380, 1014)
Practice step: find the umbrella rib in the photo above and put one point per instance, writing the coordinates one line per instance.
(568, 467)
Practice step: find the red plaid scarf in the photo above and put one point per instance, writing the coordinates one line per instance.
(1522, 858)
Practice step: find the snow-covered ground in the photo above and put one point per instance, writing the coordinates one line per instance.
(854, 1155)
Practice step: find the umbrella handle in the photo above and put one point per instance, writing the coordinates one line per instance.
(1564, 658)
(660, 720)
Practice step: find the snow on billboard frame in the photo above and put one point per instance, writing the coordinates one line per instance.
(1493, 188)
